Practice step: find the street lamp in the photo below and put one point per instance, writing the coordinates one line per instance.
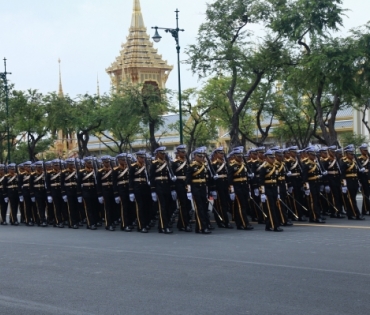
(175, 34)
(3, 75)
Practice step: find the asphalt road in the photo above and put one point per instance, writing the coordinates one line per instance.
(307, 269)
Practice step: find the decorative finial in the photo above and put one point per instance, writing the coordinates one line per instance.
(97, 85)
(60, 92)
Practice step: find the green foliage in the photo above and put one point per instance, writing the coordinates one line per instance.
(347, 138)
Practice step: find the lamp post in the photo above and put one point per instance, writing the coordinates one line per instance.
(175, 34)
(3, 75)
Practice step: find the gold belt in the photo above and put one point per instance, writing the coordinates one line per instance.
(333, 172)
(107, 184)
(88, 184)
(270, 181)
(38, 186)
(140, 179)
(181, 177)
(122, 182)
(281, 178)
(161, 178)
(314, 177)
(198, 180)
(295, 174)
(70, 184)
(55, 185)
(12, 186)
(222, 176)
(26, 185)
(351, 175)
(241, 179)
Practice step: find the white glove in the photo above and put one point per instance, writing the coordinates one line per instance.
(215, 177)
(190, 196)
(6, 199)
(344, 189)
(232, 196)
(327, 189)
(65, 198)
(174, 195)
(362, 170)
(79, 199)
(33, 199)
(117, 200)
(50, 199)
(289, 174)
(21, 199)
(325, 173)
(132, 197)
(251, 175)
(173, 178)
(321, 188)
(278, 197)
(154, 196)
(307, 192)
(256, 192)
(359, 188)
(290, 190)
(214, 194)
(101, 200)
(263, 198)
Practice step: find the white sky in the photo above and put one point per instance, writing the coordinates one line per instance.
(87, 35)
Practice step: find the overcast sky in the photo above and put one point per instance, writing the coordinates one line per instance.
(87, 35)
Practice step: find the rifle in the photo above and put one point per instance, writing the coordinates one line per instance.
(210, 168)
(169, 168)
(95, 169)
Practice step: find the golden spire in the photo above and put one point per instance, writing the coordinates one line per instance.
(60, 93)
(137, 20)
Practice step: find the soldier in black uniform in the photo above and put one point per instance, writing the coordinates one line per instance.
(269, 189)
(349, 176)
(256, 167)
(295, 183)
(106, 193)
(282, 175)
(24, 191)
(333, 184)
(3, 204)
(38, 193)
(140, 191)
(121, 187)
(162, 189)
(54, 193)
(238, 189)
(222, 202)
(311, 176)
(364, 178)
(179, 168)
(69, 193)
(197, 180)
(87, 193)
(11, 193)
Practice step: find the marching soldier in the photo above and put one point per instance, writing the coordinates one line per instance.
(162, 189)
(311, 176)
(24, 191)
(197, 181)
(11, 193)
(295, 182)
(54, 192)
(364, 178)
(238, 190)
(3, 204)
(69, 193)
(121, 187)
(333, 184)
(106, 193)
(179, 168)
(140, 191)
(349, 176)
(256, 167)
(269, 189)
(222, 187)
(87, 193)
(38, 193)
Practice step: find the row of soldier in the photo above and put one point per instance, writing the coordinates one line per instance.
(270, 187)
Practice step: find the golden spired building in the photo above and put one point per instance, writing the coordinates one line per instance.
(138, 62)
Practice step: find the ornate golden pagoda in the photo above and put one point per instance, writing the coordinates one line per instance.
(138, 61)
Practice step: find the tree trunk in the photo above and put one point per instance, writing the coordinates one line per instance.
(153, 142)
(83, 139)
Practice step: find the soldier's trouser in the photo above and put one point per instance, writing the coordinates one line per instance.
(200, 204)
(13, 203)
(4, 209)
(164, 206)
(90, 206)
(222, 204)
(270, 207)
(350, 198)
(184, 204)
(73, 209)
(143, 205)
(240, 205)
(40, 196)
